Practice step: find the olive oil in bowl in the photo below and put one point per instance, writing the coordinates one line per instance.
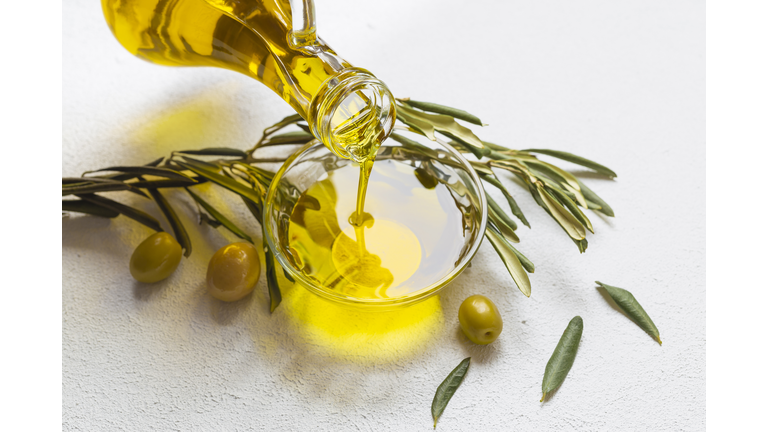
(422, 222)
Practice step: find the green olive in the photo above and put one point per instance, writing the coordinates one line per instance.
(233, 271)
(480, 319)
(155, 258)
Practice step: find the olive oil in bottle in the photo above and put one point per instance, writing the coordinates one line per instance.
(411, 233)
(347, 108)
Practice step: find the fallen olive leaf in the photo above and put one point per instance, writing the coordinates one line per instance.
(627, 302)
(562, 359)
(447, 388)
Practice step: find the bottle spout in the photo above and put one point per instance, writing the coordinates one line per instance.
(352, 114)
(304, 32)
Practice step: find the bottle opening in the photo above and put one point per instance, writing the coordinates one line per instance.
(353, 114)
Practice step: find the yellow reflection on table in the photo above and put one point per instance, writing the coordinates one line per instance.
(372, 336)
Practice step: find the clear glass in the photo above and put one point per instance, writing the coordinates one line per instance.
(308, 164)
(347, 108)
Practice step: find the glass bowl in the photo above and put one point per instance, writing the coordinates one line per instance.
(310, 163)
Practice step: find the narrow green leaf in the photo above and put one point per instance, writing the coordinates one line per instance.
(414, 145)
(216, 151)
(222, 180)
(447, 388)
(442, 109)
(505, 230)
(562, 359)
(283, 123)
(494, 207)
(274, 288)
(255, 208)
(294, 137)
(304, 127)
(124, 176)
(87, 207)
(496, 147)
(288, 276)
(578, 160)
(201, 164)
(209, 220)
(524, 261)
(428, 123)
(511, 261)
(564, 178)
(78, 188)
(573, 208)
(626, 302)
(573, 227)
(173, 219)
(148, 170)
(135, 214)
(581, 244)
(591, 196)
(161, 184)
(463, 146)
(510, 200)
(220, 217)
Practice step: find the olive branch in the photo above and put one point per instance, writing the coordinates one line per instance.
(557, 191)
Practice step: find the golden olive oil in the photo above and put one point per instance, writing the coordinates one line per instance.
(249, 37)
(253, 37)
(411, 233)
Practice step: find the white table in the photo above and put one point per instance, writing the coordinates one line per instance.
(618, 82)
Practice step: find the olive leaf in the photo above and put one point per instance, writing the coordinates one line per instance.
(570, 224)
(442, 109)
(524, 261)
(496, 147)
(204, 218)
(216, 151)
(220, 218)
(573, 208)
(173, 219)
(274, 288)
(89, 188)
(505, 230)
(447, 388)
(458, 145)
(135, 214)
(294, 137)
(148, 170)
(491, 178)
(566, 180)
(255, 208)
(578, 160)
(427, 124)
(161, 184)
(282, 123)
(221, 180)
(87, 207)
(581, 244)
(563, 356)
(591, 196)
(510, 259)
(495, 208)
(288, 276)
(626, 302)
(200, 164)
(415, 146)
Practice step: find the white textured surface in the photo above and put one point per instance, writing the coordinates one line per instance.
(619, 82)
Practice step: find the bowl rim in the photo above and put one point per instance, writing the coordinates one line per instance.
(406, 300)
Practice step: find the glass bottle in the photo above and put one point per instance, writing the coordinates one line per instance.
(273, 41)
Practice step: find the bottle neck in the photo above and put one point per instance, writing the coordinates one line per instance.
(352, 113)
